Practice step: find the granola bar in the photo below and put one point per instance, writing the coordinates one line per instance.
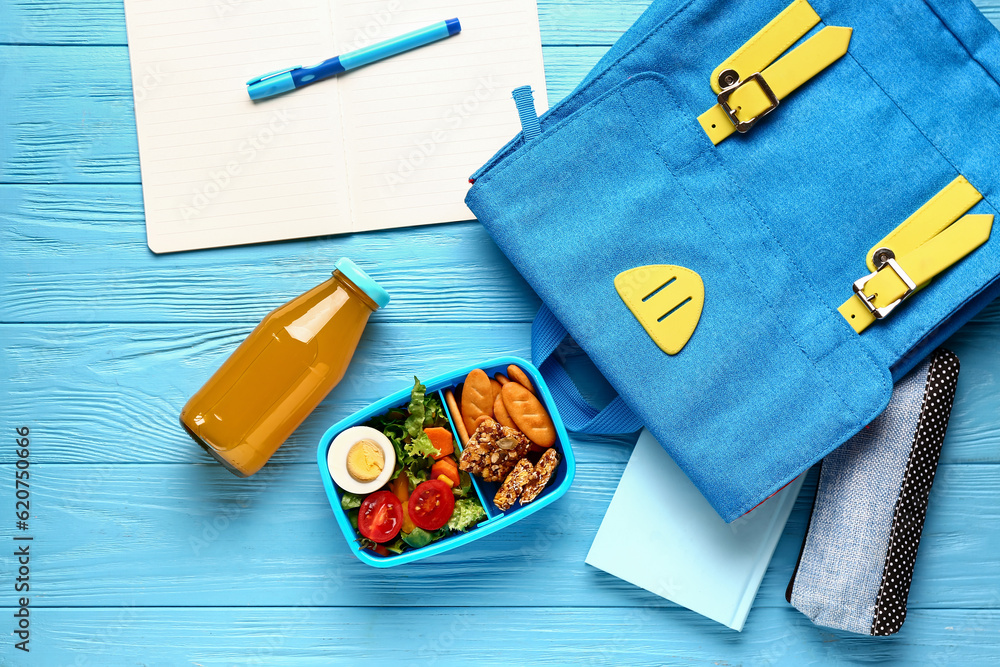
(493, 451)
(543, 473)
(522, 475)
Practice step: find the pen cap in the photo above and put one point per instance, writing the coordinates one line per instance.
(363, 281)
(270, 85)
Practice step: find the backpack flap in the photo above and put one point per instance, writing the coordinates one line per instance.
(628, 212)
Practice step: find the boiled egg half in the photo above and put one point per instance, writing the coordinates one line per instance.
(361, 459)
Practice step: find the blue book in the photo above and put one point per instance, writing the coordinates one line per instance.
(661, 534)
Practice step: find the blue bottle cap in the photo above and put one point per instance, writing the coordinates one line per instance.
(363, 281)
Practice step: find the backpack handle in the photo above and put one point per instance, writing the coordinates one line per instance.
(577, 414)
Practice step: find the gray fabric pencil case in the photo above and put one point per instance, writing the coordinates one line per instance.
(857, 559)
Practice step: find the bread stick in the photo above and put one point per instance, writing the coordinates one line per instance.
(456, 415)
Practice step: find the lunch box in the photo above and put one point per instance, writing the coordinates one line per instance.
(495, 518)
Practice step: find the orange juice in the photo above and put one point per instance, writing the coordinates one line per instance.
(282, 371)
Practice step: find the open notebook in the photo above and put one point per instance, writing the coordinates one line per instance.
(388, 145)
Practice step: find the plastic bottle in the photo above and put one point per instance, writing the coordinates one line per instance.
(281, 372)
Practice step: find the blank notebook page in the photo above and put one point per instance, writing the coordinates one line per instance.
(418, 125)
(388, 145)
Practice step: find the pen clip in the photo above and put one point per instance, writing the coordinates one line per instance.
(270, 74)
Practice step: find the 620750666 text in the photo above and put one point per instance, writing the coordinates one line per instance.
(22, 541)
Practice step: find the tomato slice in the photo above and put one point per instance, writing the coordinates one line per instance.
(431, 504)
(380, 516)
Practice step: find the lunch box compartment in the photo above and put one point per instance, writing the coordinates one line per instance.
(495, 518)
(485, 501)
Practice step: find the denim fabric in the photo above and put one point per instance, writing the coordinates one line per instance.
(776, 222)
(840, 569)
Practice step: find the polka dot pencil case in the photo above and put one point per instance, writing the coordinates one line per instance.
(857, 559)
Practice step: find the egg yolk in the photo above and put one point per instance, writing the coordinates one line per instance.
(365, 461)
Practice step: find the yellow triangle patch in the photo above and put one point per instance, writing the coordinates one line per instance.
(666, 299)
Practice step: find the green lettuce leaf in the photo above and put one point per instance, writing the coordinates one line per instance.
(418, 538)
(468, 512)
(421, 446)
(419, 470)
(434, 414)
(396, 547)
(401, 456)
(397, 436)
(463, 490)
(414, 423)
(349, 501)
(421, 538)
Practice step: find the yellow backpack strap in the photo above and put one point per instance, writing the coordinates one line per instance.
(748, 99)
(924, 245)
(762, 49)
(943, 209)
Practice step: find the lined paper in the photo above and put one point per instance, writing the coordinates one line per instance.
(388, 145)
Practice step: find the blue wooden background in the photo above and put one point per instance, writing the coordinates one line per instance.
(145, 552)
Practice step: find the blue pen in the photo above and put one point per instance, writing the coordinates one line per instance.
(284, 80)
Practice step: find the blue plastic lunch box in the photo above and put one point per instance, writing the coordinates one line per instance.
(495, 519)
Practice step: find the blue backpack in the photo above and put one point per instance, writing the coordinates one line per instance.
(754, 217)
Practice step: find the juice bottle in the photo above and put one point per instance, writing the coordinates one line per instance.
(281, 372)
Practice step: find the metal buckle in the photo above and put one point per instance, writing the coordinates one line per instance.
(883, 257)
(729, 82)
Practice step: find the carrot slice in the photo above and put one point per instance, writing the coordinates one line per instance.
(447, 468)
(401, 487)
(408, 524)
(442, 440)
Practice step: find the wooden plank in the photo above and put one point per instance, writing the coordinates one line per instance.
(79, 384)
(80, 22)
(190, 535)
(91, 140)
(87, 389)
(102, 22)
(67, 112)
(974, 431)
(78, 254)
(308, 635)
